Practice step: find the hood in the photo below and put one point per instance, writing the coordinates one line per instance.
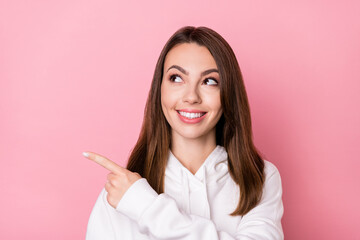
(213, 171)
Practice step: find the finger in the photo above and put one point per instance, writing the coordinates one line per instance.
(110, 176)
(103, 161)
(112, 179)
(108, 187)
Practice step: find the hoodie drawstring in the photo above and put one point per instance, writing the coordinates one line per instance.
(186, 192)
(207, 213)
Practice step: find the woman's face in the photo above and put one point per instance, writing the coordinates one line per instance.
(190, 91)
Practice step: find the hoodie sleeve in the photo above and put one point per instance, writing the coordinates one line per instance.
(100, 225)
(158, 215)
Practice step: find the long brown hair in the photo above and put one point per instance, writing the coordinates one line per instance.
(233, 131)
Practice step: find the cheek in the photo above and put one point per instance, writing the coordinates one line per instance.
(217, 103)
(213, 100)
(164, 98)
(168, 98)
(167, 104)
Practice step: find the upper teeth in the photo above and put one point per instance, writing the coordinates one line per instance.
(190, 115)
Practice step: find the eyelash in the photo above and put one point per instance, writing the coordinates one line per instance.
(173, 76)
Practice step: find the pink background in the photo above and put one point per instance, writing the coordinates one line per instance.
(74, 77)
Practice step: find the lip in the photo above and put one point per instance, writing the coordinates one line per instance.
(190, 110)
(191, 121)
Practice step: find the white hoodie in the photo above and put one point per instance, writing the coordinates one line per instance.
(192, 207)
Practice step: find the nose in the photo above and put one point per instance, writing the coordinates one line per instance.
(191, 94)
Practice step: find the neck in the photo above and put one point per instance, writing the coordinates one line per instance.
(193, 152)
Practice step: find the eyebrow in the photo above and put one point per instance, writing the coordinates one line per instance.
(204, 73)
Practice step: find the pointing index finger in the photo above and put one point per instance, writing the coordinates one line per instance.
(103, 161)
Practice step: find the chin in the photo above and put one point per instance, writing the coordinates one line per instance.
(192, 135)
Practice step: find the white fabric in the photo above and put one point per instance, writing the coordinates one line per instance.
(192, 207)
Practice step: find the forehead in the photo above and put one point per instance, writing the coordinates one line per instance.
(190, 56)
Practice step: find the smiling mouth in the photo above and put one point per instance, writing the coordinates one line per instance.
(192, 115)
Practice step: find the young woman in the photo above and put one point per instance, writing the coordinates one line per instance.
(194, 172)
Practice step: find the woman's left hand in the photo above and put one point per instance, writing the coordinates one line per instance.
(118, 181)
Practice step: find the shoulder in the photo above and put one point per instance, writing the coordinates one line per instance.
(265, 218)
(272, 179)
(270, 169)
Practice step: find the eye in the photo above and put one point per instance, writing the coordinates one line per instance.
(211, 82)
(175, 78)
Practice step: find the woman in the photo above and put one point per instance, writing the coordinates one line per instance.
(194, 172)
